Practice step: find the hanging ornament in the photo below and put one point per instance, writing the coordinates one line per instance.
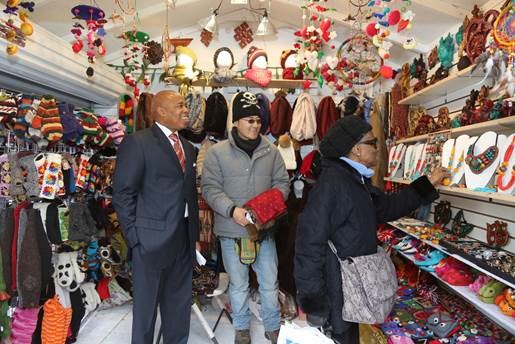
(206, 37)
(359, 59)
(243, 34)
(135, 58)
(503, 30)
(10, 31)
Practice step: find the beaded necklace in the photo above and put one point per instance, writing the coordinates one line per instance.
(479, 163)
(421, 162)
(504, 167)
(411, 162)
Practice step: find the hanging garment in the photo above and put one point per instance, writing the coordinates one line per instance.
(327, 114)
(280, 115)
(215, 117)
(264, 110)
(303, 124)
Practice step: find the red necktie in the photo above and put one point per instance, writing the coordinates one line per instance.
(178, 150)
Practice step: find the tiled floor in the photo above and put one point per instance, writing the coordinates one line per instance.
(113, 326)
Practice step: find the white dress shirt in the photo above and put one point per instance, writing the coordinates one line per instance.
(167, 133)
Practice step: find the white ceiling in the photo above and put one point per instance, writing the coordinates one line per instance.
(433, 19)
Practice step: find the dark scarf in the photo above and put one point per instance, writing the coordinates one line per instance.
(248, 146)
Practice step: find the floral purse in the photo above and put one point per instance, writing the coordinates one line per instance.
(460, 227)
(497, 234)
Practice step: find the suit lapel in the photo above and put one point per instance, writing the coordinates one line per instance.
(166, 145)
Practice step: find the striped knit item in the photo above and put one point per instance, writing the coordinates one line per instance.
(21, 125)
(115, 129)
(51, 126)
(8, 110)
(56, 320)
(89, 123)
(23, 325)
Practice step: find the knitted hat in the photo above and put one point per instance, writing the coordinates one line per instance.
(51, 126)
(125, 112)
(216, 114)
(264, 107)
(289, 71)
(56, 320)
(72, 128)
(82, 224)
(8, 111)
(344, 134)
(285, 54)
(221, 61)
(253, 54)
(327, 115)
(280, 115)
(180, 50)
(115, 129)
(245, 104)
(21, 125)
(24, 323)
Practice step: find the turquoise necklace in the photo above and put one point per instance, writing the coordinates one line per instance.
(479, 163)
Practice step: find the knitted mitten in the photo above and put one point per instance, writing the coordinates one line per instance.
(50, 185)
(51, 126)
(90, 297)
(24, 323)
(102, 139)
(5, 175)
(16, 186)
(56, 320)
(72, 128)
(115, 129)
(90, 126)
(21, 125)
(8, 111)
(82, 177)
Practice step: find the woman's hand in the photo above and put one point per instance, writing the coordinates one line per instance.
(438, 175)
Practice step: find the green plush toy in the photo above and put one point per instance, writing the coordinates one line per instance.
(490, 291)
(446, 51)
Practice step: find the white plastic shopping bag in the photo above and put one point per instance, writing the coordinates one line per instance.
(293, 334)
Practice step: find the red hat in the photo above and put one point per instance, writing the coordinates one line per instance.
(253, 54)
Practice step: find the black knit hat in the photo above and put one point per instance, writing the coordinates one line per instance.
(215, 118)
(245, 104)
(343, 135)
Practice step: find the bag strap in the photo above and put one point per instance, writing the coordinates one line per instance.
(333, 248)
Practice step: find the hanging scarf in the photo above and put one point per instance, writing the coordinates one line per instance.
(248, 146)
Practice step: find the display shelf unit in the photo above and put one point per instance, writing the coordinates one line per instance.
(488, 196)
(497, 125)
(491, 311)
(396, 225)
(241, 82)
(454, 82)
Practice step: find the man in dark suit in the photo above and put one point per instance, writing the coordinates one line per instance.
(156, 202)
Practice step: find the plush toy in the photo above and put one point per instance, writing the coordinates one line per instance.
(67, 272)
(441, 324)
(506, 302)
(90, 297)
(480, 281)
(285, 147)
(490, 291)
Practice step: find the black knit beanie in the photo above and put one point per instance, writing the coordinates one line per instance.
(343, 135)
(215, 117)
(245, 104)
(350, 106)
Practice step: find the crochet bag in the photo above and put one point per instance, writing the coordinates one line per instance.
(264, 209)
(369, 286)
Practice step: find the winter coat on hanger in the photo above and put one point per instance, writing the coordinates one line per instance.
(343, 207)
(327, 114)
(304, 124)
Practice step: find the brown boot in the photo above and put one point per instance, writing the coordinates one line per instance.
(272, 336)
(242, 337)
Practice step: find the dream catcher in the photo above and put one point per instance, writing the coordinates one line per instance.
(9, 31)
(94, 18)
(504, 30)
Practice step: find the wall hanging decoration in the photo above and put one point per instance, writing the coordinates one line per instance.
(497, 234)
(419, 71)
(477, 31)
(135, 59)
(10, 31)
(313, 41)
(243, 34)
(94, 18)
(445, 56)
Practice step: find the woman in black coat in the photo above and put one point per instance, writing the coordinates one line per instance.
(344, 207)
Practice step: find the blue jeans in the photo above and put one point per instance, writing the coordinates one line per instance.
(265, 267)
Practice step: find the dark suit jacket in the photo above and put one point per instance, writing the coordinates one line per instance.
(150, 192)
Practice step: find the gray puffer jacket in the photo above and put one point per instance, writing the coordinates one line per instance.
(231, 178)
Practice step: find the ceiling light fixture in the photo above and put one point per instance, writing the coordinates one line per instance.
(209, 23)
(265, 27)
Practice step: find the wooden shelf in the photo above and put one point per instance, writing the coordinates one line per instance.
(491, 311)
(242, 82)
(489, 196)
(497, 125)
(400, 227)
(454, 82)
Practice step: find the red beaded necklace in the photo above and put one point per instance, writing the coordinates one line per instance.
(504, 167)
(395, 161)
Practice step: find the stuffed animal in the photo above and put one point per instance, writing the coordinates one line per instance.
(480, 281)
(441, 324)
(286, 148)
(506, 302)
(490, 291)
(67, 272)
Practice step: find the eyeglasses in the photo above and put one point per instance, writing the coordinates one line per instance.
(252, 121)
(372, 142)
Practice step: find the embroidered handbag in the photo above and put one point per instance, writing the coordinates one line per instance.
(264, 209)
(460, 227)
(369, 286)
(497, 234)
(443, 213)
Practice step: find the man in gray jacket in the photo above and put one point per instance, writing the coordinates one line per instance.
(235, 171)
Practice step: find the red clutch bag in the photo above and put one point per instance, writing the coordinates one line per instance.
(267, 206)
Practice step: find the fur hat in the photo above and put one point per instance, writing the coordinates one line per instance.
(253, 54)
(264, 107)
(245, 104)
(343, 135)
(215, 117)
